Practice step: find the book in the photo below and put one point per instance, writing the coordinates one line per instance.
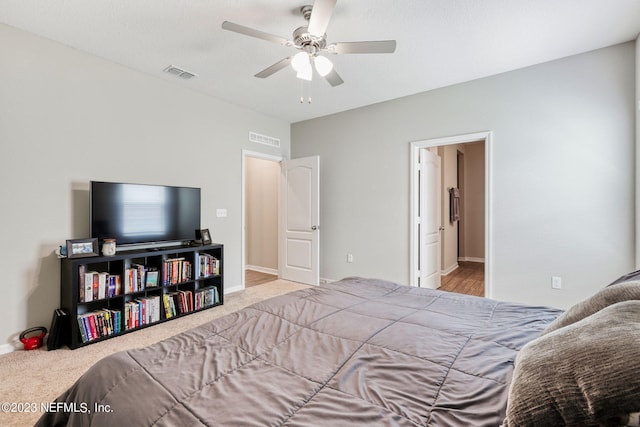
(88, 286)
(112, 286)
(95, 285)
(58, 330)
(140, 276)
(81, 276)
(130, 280)
(103, 285)
(83, 330)
(208, 265)
(175, 270)
(92, 326)
(118, 285)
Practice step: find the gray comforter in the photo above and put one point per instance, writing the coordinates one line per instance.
(354, 352)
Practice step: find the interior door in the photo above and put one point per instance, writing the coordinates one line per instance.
(430, 221)
(300, 212)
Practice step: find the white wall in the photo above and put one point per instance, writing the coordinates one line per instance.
(562, 183)
(67, 118)
(261, 187)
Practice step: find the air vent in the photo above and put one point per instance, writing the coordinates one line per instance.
(264, 139)
(178, 72)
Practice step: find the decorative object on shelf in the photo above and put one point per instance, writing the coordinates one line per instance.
(109, 247)
(152, 278)
(61, 251)
(205, 236)
(33, 342)
(80, 248)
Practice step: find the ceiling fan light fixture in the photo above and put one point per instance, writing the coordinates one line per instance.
(300, 61)
(305, 73)
(323, 65)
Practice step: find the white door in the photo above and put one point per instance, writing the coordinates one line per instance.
(429, 220)
(300, 211)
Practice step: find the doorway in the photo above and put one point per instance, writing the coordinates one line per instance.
(260, 198)
(280, 217)
(464, 260)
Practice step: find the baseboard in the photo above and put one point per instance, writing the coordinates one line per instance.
(450, 270)
(259, 269)
(471, 259)
(232, 290)
(325, 280)
(6, 348)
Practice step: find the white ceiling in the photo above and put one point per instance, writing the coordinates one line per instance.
(439, 42)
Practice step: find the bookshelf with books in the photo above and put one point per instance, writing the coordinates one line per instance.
(108, 296)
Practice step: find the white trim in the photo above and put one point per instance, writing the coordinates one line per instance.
(234, 289)
(450, 270)
(415, 146)
(7, 348)
(470, 259)
(258, 155)
(259, 269)
(325, 280)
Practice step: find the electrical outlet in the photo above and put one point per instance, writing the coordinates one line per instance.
(349, 257)
(556, 282)
(221, 213)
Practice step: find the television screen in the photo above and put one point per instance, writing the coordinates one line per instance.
(141, 213)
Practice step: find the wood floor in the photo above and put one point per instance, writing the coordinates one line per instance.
(255, 278)
(468, 279)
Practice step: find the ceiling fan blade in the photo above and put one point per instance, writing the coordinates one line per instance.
(230, 26)
(320, 16)
(274, 68)
(380, 46)
(334, 78)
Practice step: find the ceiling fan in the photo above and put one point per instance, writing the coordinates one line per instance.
(311, 40)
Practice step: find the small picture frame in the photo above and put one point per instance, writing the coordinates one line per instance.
(81, 248)
(152, 278)
(205, 236)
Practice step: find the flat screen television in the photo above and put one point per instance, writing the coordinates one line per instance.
(140, 214)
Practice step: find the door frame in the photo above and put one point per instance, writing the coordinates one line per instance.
(415, 147)
(263, 156)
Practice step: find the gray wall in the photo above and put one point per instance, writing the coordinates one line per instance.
(67, 118)
(449, 241)
(562, 178)
(637, 108)
(474, 195)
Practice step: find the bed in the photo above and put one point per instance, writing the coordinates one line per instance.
(354, 352)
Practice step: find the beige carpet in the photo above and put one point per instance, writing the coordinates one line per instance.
(41, 376)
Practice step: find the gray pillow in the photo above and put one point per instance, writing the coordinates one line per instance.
(612, 294)
(583, 374)
(629, 277)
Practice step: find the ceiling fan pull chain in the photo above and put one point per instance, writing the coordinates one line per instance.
(305, 84)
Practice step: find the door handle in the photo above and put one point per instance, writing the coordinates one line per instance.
(315, 227)
(441, 228)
